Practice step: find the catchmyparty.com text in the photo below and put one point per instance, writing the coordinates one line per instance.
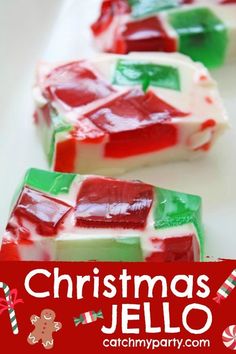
(152, 344)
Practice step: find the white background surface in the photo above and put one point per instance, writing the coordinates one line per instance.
(31, 30)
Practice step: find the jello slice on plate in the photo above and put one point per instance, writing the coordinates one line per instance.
(116, 113)
(203, 29)
(69, 217)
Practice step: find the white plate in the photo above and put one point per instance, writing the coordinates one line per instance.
(56, 30)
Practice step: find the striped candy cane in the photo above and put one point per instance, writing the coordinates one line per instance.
(11, 311)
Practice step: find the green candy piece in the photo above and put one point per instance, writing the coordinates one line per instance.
(146, 74)
(202, 35)
(59, 125)
(50, 182)
(141, 8)
(176, 209)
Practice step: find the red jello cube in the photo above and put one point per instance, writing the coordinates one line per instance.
(109, 9)
(112, 203)
(9, 252)
(137, 123)
(75, 85)
(146, 35)
(46, 213)
(173, 249)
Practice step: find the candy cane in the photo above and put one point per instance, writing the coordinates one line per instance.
(11, 311)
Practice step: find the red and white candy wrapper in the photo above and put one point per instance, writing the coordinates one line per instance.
(229, 337)
(88, 317)
(226, 288)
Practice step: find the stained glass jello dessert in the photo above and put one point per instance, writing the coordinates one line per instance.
(203, 29)
(115, 113)
(71, 217)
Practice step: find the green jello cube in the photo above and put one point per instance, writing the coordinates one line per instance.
(52, 183)
(202, 35)
(176, 209)
(133, 73)
(125, 249)
(58, 125)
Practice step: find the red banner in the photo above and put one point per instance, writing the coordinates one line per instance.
(130, 307)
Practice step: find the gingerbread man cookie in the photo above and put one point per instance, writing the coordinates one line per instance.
(44, 327)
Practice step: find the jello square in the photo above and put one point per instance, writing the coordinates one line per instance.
(202, 29)
(69, 217)
(116, 113)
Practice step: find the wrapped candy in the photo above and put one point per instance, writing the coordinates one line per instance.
(226, 288)
(203, 29)
(229, 337)
(88, 317)
(70, 217)
(116, 113)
